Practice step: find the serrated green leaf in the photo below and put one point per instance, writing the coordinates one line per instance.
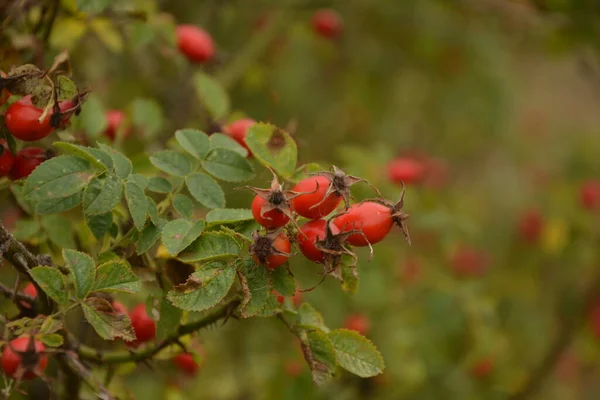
(148, 116)
(255, 287)
(26, 205)
(102, 195)
(211, 246)
(55, 206)
(116, 276)
(96, 157)
(271, 307)
(283, 282)
(309, 318)
(212, 95)
(168, 323)
(171, 162)
(121, 164)
(93, 117)
(52, 282)
(82, 269)
(137, 204)
(183, 205)
(157, 184)
(51, 325)
(193, 141)
(59, 230)
(148, 237)
(228, 165)
(26, 229)
(226, 142)
(107, 324)
(58, 177)
(99, 224)
(206, 190)
(273, 147)
(320, 354)
(52, 340)
(228, 216)
(140, 180)
(356, 353)
(66, 88)
(180, 233)
(153, 213)
(204, 288)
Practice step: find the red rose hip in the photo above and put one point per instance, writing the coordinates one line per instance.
(237, 131)
(405, 169)
(327, 23)
(143, 325)
(26, 161)
(24, 359)
(115, 119)
(195, 43)
(7, 159)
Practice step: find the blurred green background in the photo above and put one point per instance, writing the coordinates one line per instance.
(500, 97)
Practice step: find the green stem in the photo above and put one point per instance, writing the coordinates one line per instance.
(119, 357)
(229, 75)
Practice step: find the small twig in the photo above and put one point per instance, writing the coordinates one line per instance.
(51, 19)
(11, 294)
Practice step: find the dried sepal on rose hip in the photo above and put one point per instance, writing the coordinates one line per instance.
(271, 207)
(270, 250)
(374, 219)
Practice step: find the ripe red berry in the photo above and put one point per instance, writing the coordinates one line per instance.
(22, 119)
(195, 43)
(143, 325)
(311, 233)
(313, 204)
(359, 323)
(594, 318)
(405, 169)
(271, 250)
(237, 130)
(293, 368)
(468, 262)
(589, 195)
(26, 161)
(482, 368)
(24, 359)
(296, 298)
(327, 23)
(30, 290)
(374, 220)
(271, 219)
(530, 226)
(186, 363)
(7, 159)
(114, 122)
(119, 307)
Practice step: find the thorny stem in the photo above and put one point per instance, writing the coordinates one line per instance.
(119, 357)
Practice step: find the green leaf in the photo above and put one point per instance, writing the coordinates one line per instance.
(59, 230)
(211, 246)
(26, 229)
(183, 205)
(95, 157)
(157, 184)
(303, 171)
(194, 142)
(122, 164)
(212, 95)
(147, 115)
(92, 6)
(349, 274)
(52, 283)
(255, 287)
(55, 206)
(171, 162)
(356, 353)
(283, 282)
(137, 204)
(226, 142)
(180, 233)
(140, 180)
(116, 276)
(228, 165)
(93, 117)
(102, 195)
(51, 325)
(168, 323)
(204, 288)
(99, 224)
(66, 88)
(273, 147)
(57, 177)
(106, 322)
(26, 205)
(320, 354)
(228, 216)
(310, 318)
(271, 308)
(148, 237)
(153, 213)
(82, 269)
(206, 190)
(52, 340)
